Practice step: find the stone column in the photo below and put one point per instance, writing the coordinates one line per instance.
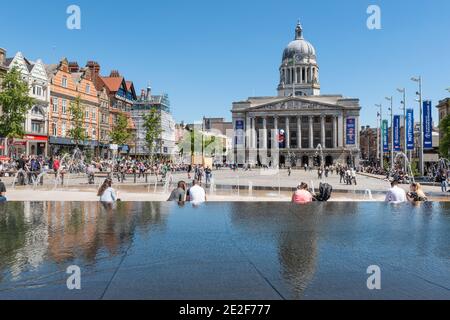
(299, 132)
(311, 132)
(335, 132)
(264, 133)
(358, 132)
(340, 131)
(322, 131)
(254, 134)
(275, 129)
(288, 134)
(248, 133)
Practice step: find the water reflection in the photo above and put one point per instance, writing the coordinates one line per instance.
(290, 231)
(290, 246)
(33, 232)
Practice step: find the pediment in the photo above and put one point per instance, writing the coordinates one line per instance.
(293, 104)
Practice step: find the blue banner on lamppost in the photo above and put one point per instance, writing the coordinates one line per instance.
(385, 129)
(410, 129)
(351, 131)
(396, 132)
(427, 125)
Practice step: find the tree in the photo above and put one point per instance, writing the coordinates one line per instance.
(198, 143)
(153, 129)
(120, 134)
(444, 144)
(77, 112)
(15, 103)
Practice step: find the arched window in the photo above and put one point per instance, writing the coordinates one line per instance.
(37, 111)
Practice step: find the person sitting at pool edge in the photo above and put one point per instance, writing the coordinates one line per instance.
(2, 192)
(106, 193)
(416, 194)
(179, 194)
(302, 195)
(396, 194)
(196, 194)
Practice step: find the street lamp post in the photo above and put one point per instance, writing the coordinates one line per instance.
(380, 152)
(391, 99)
(405, 134)
(419, 94)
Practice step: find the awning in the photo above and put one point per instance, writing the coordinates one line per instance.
(70, 142)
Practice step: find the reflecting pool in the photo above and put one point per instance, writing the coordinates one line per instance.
(153, 250)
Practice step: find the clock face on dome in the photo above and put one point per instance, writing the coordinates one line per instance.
(298, 58)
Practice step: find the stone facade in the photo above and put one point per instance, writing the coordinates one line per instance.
(35, 141)
(290, 129)
(69, 82)
(165, 146)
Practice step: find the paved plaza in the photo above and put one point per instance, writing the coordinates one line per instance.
(266, 185)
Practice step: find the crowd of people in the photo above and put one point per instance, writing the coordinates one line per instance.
(31, 167)
(195, 194)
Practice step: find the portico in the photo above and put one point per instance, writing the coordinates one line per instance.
(296, 126)
(288, 129)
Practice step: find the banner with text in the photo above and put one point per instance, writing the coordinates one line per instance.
(351, 131)
(410, 129)
(385, 130)
(427, 125)
(397, 134)
(240, 134)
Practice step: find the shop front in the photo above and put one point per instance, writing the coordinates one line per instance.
(36, 145)
(17, 147)
(66, 145)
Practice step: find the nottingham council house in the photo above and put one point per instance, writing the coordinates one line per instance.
(292, 128)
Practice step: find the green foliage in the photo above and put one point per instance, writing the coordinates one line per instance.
(15, 103)
(386, 164)
(77, 112)
(415, 168)
(444, 144)
(153, 129)
(196, 143)
(120, 134)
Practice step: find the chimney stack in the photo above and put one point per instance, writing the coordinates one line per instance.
(95, 70)
(115, 74)
(74, 67)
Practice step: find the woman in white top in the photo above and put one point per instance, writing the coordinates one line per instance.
(106, 192)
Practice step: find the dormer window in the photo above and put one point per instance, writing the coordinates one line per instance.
(88, 89)
(64, 82)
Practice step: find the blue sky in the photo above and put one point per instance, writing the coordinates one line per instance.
(207, 54)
